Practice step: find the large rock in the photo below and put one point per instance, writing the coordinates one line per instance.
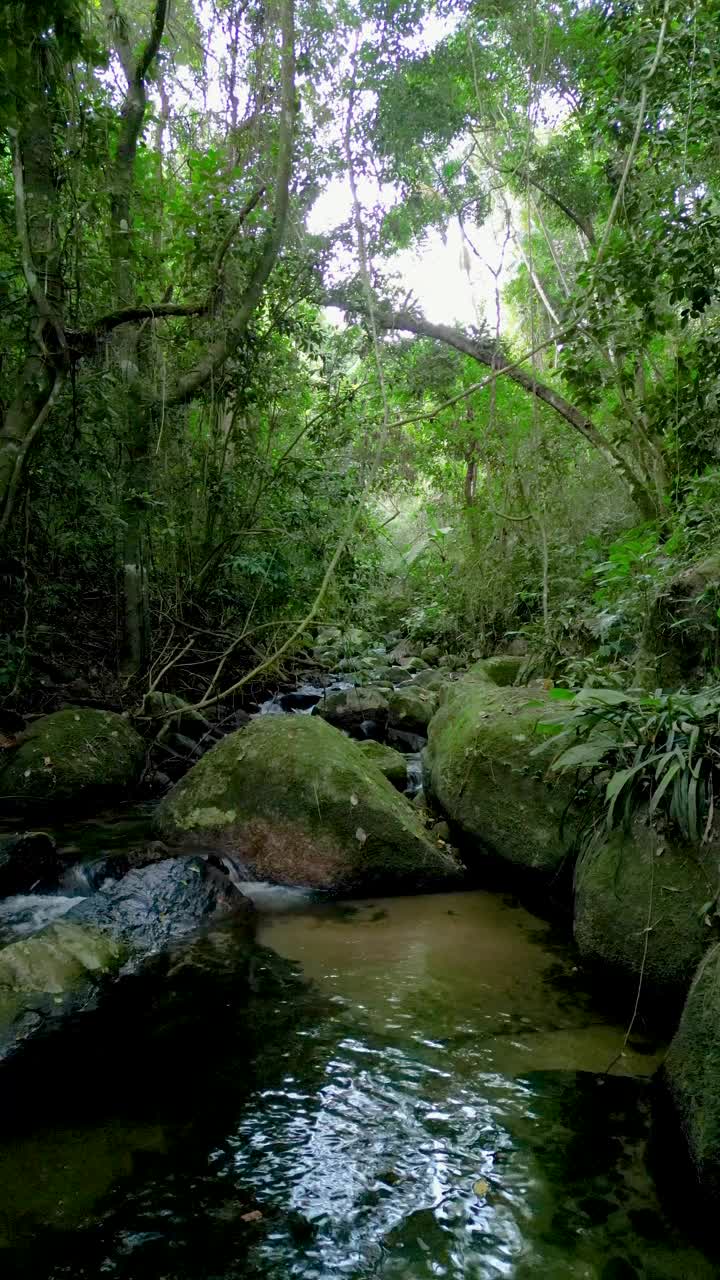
(411, 709)
(692, 1072)
(350, 708)
(299, 804)
(390, 763)
(638, 908)
(71, 756)
(481, 772)
(60, 970)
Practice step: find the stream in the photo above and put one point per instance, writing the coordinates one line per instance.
(426, 1097)
(391, 1089)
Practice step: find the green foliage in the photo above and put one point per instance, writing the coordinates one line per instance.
(657, 751)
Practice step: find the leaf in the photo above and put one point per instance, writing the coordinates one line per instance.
(659, 792)
(606, 697)
(481, 1187)
(593, 751)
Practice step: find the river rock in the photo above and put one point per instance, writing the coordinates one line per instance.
(430, 680)
(298, 803)
(638, 908)
(413, 665)
(411, 709)
(28, 860)
(431, 653)
(70, 757)
(391, 763)
(479, 769)
(349, 708)
(691, 1072)
(61, 969)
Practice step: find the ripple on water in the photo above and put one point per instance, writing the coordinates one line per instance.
(445, 1114)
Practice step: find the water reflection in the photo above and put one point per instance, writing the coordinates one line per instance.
(441, 1112)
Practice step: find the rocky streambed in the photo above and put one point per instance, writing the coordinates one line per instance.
(396, 777)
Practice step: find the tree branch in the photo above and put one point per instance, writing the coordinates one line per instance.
(40, 299)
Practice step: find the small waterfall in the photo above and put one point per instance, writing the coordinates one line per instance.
(266, 897)
(414, 775)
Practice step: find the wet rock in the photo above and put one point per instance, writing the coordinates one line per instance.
(411, 709)
(410, 743)
(62, 970)
(71, 757)
(348, 708)
(413, 665)
(153, 905)
(391, 763)
(638, 908)
(299, 804)
(300, 699)
(396, 673)
(691, 1073)
(28, 860)
(479, 769)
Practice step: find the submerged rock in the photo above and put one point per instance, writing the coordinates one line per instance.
(28, 860)
(480, 770)
(691, 1072)
(391, 763)
(70, 757)
(349, 708)
(638, 908)
(62, 969)
(300, 804)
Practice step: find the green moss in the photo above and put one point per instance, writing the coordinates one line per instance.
(483, 775)
(501, 669)
(309, 808)
(412, 709)
(70, 754)
(390, 763)
(633, 879)
(692, 1071)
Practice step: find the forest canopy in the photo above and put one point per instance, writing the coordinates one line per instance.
(222, 425)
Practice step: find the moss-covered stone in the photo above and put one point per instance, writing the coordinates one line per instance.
(692, 1072)
(501, 669)
(71, 756)
(638, 908)
(348, 708)
(300, 804)
(431, 653)
(480, 770)
(430, 680)
(411, 709)
(390, 763)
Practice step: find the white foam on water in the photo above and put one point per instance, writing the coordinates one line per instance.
(270, 898)
(25, 913)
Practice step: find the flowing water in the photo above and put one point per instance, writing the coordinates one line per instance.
(431, 1101)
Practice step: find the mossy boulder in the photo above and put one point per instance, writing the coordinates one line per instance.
(349, 708)
(638, 908)
(501, 669)
(691, 1072)
(300, 804)
(70, 757)
(60, 970)
(480, 770)
(430, 679)
(431, 653)
(411, 709)
(390, 763)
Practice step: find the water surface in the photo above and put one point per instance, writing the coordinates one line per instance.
(435, 1103)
